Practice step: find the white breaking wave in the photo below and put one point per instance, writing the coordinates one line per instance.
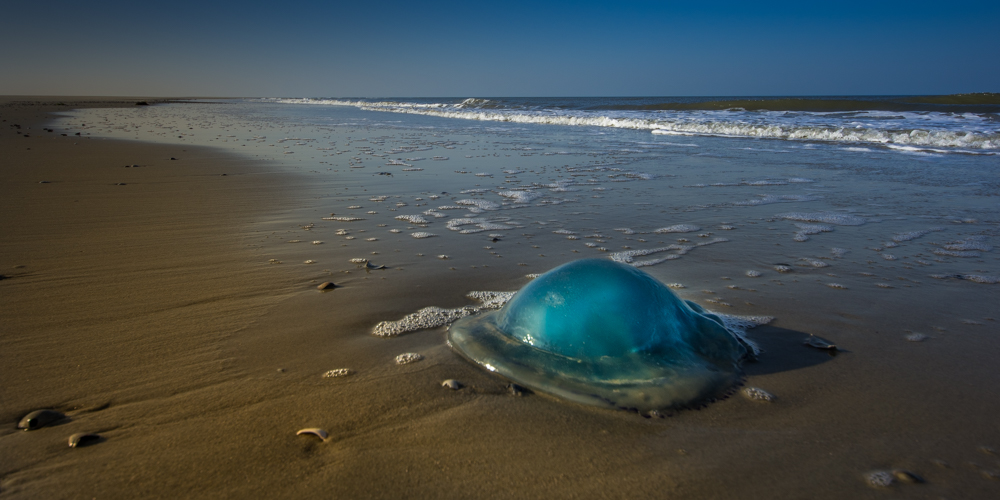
(964, 133)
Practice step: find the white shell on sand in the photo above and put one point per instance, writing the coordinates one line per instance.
(315, 431)
(82, 439)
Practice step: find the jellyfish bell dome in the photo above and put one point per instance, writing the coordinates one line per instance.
(603, 333)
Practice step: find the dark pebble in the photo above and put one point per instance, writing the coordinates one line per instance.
(517, 390)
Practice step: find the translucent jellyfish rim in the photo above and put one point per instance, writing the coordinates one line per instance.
(649, 382)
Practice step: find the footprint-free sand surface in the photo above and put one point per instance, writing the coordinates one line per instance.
(159, 288)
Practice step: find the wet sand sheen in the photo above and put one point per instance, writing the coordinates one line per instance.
(192, 345)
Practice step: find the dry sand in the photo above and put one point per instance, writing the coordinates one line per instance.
(145, 313)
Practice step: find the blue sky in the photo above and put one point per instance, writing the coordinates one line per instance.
(476, 49)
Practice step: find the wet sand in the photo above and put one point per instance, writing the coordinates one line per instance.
(150, 313)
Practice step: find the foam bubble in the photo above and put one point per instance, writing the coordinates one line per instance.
(343, 219)
(407, 358)
(814, 262)
(808, 229)
(952, 253)
(970, 243)
(768, 199)
(421, 235)
(412, 219)
(825, 217)
(478, 206)
(338, 372)
(628, 256)
(433, 317)
(518, 196)
(678, 228)
(901, 237)
(480, 223)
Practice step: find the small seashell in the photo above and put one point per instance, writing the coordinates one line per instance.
(38, 419)
(315, 431)
(452, 384)
(819, 343)
(407, 358)
(907, 476)
(81, 439)
(326, 285)
(758, 394)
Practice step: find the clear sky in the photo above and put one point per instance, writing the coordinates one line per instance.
(481, 49)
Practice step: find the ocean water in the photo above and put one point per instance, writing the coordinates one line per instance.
(822, 204)
(970, 125)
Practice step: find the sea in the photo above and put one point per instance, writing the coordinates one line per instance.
(824, 194)
(954, 124)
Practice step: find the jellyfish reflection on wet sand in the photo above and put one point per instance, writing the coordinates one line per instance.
(602, 333)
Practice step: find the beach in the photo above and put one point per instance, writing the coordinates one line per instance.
(160, 276)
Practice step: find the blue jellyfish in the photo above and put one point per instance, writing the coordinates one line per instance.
(602, 333)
